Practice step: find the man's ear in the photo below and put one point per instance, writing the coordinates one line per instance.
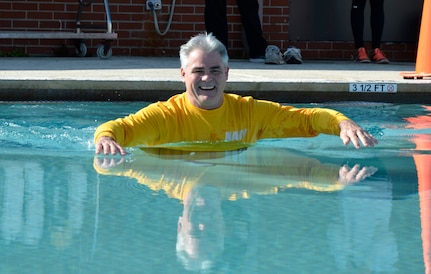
(227, 73)
(183, 74)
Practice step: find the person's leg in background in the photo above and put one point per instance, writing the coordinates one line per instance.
(377, 21)
(216, 19)
(249, 10)
(357, 24)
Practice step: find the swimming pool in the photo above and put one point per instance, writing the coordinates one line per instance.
(274, 208)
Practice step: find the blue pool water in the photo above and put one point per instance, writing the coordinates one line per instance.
(282, 206)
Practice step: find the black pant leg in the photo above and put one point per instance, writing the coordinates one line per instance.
(249, 10)
(377, 21)
(216, 19)
(357, 21)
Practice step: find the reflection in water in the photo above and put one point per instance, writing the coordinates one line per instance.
(68, 200)
(202, 180)
(228, 220)
(361, 237)
(32, 201)
(200, 238)
(423, 167)
(23, 205)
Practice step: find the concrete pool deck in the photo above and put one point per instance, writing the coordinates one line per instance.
(157, 78)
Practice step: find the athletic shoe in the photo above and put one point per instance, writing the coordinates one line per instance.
(258, 59)
(273, 55)
(380, 57)
(292, 56)
(362, 56)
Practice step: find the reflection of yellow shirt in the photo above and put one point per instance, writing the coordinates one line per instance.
(255, 171)
(239, 122)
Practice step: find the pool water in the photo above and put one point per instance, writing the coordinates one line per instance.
(300, 205)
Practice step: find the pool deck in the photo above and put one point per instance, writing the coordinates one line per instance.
(157, 78)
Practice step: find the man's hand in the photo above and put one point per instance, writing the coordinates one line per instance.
(109, 146)
(351, 132)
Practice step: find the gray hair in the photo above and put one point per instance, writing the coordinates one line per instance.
(206, 42)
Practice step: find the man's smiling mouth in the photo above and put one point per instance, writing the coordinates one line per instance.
(209, 88)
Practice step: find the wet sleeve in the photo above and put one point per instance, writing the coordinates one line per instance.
(286, 121)
(143, 127)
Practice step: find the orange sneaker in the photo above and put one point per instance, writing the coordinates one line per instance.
(380, 57)
(362, 56)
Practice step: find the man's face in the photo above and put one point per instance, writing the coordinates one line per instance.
(205, 78)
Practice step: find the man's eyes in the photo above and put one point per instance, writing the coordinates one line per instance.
(202, 71)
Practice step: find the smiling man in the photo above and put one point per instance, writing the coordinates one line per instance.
(211, 120)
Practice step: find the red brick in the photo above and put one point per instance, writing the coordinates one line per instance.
(6, 6)
(278, 2)
(51, 6)
(39, 15)
(17, 6)
(14, 14)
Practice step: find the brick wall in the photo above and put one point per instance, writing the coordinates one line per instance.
(137, 35)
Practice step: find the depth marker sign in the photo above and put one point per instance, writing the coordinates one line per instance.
(373, 87)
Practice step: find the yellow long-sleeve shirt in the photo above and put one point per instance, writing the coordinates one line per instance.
(239, 122)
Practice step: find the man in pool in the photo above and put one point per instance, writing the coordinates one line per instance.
(215, 120)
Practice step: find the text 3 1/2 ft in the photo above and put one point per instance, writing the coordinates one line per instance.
(373, 87)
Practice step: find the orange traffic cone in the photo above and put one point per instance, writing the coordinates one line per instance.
(423, 58)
